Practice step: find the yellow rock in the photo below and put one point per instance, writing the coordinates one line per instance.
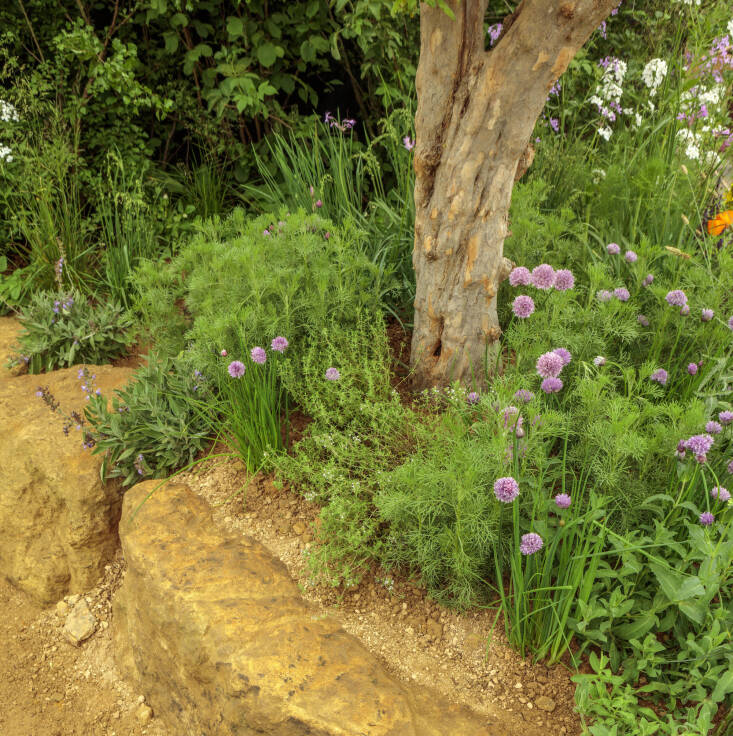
(215, 633)
(58, 521)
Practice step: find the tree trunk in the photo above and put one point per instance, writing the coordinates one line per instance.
(476, 112)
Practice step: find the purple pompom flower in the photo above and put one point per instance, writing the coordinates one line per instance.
(236, 369)
(676, 298)
(472, 398)
(642, 320)
(549, 365)
(506, 489)
(599, 361)
(564, 354)
(524, 396)
(523, 306)
(551, 385)
(706, 315)
(729, 467)
(563, 501)
(258, 355)
(530, 543)
(730, 323)
(543, 276)
(699, 445)
(604, 295)
(660, 376)
(622, 294)
(648, 279)
(713, 427)
(692, 369)
(721, 494)
(564, 279)
(279, 344)
(630, 256)
(332, 374)
(725, 417)
(613, 248)
(520, 276)
(706, 518)
(223, 353)
(685, 310)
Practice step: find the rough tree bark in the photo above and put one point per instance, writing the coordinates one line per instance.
(475, 115)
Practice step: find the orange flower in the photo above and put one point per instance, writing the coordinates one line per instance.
(720, 222)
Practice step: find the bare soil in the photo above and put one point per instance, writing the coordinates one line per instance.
(48, 687)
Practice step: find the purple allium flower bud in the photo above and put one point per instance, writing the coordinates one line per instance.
(549, 365)
(523, 306)
(506, 489)
(706, 518)
(551, 385)
(319, 203)
(725, 417)
(599, 361)
(685, 310)
(524, 395)
(622, 294)
(604, 295)
(713, 427)
(223, 353)
(613, 249)
(98, 392)
(706, 315)
(647, 279)
(630, 256)
(563, 501)
(543, 277)
(729, 468)
(660, 376)
(332, 374)
(236, 369)
(730, 323)
(327, 235)
(681, 446)
(520, 276)
(266, 232)
(676, 298)
(279, 344)
(258, 355)
(472, 398)
(721, 494)
(564, 354)
(530, 543)
(692, 369)
(408, 143)
(564, 279)
(642, 320)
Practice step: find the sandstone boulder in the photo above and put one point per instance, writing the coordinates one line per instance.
(58, 521)
(9, 331)
(214, 631)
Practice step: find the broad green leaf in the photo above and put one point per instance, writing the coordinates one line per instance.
(267, 54)
(235, 26)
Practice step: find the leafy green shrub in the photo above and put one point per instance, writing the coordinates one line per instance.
(359, 428)
(244, 280)
(62, 329)
(156, 424)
